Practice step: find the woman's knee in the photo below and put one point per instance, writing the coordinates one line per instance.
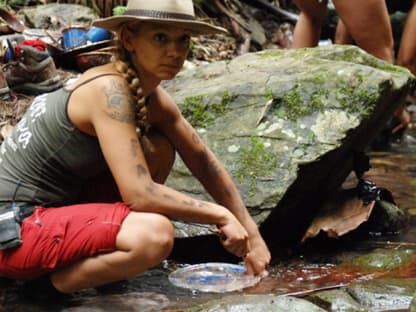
(162, 233)
(148, 236)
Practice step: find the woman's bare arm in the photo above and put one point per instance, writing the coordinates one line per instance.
(113, 120)
(206, 167)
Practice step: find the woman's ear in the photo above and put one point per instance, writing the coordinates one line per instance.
(125, 38)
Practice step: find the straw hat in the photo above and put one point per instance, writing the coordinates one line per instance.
(172, 12)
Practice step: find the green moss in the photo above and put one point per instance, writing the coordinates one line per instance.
(228, 98)
(200, 113)
(254, 161)
(193, 109)
(317, 79)
(271, 53)
(354, 54)
(353, 100)
(311, 96)
(383, 260)
(119, 10)
(298, 103)
(385, 66)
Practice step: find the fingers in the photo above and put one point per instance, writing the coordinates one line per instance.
(255, 266)
(236, 247)
(249, 267)
(235, 238)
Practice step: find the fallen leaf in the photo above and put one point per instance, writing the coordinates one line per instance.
(341, 214)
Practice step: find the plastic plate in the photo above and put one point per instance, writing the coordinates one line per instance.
(213, 277)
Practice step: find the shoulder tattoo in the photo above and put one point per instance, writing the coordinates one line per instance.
(120, 103)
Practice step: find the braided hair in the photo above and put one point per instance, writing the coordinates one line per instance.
(124, 66)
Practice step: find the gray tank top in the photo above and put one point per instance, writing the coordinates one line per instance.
(47, 159)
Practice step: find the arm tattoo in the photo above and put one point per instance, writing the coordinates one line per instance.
(134, 144)
(195, 138)
(167, 196)
(212, 166)
(227, 193)
(141, 170)
(151, 188)
(120, 103)
(189, 202)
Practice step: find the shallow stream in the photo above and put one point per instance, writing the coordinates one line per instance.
(394, 170)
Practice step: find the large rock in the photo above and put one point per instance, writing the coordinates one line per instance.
(57, 15)
(287, 124)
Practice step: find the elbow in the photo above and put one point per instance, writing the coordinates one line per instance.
(140, 198)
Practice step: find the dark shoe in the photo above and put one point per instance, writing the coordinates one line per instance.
(41, 291)
(113, 288)
(32, 72)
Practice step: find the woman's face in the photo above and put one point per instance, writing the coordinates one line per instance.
(159, 50)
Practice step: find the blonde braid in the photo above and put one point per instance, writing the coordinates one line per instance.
(124, 66)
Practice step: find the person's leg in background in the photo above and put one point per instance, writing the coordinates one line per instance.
(406, 57)
(307, 31)
(369, 25)
(407, 52)
(342, 35)
(371, 30)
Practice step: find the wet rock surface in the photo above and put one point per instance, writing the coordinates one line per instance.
(384, 294)
(258, 303)
(287, 124)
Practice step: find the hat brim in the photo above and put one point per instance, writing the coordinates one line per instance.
(198, 27)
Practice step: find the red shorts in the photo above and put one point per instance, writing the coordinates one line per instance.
(55, 237)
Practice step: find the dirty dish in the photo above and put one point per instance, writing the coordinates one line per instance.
(68, 59)
(213, 277)
(95, 34)
(88, 47)
(91, 59)
(74, 37)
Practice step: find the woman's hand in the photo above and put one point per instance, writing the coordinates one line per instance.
(234, 237)
(258, 257)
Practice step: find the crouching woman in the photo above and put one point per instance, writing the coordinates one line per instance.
(84, 169)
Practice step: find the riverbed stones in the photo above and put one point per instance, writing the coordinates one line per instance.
(287, 124)
(384, 294)
(384, 260)
(336, 300)
(128, 301)
(257, 303)
(375, 295)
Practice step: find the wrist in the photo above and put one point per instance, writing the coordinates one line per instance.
(224, 216)
(251, 227)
